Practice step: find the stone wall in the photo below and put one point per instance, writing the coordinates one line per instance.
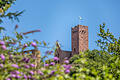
(61, 54)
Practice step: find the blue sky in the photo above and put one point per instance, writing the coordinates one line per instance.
(56, 17)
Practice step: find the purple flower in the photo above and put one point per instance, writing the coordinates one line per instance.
(17, 72)
(2, 57)
(17, 76)
(26, 66)
(64, 66)
(21, 73)
(66, 61)
(25, 45)
(66, 58)
(13, 75)
(13, 72)
(32, 65)
(46, 65)
(24, 59)
(2, 42)
(55, 58)
(29, 77)
(67, 66)
(27, 60)
(52, 72)
(25, 76)
(3, 47)
(31, 72)
(52, 63)
(11, 57)
(39, 72)
(67, 71)
(1, 65)
(33, 44)
(15, 66)
(8, 79)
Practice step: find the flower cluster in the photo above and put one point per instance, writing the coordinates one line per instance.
(67, 66)
(2, 45)
(23, 66)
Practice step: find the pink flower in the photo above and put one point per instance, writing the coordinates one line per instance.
(33, 44)
(25, 45)
(13, 75)
(17, 76)
(15, 66)
(17, 72)
(46, 65)
(67, 66)
(66, 58)
(39, 72)
(2, 43)
(29, 77)
(2, 57)
(52, 63)
(66, 61)
(55, 58)
(52, 72)
(8, 79)
(67, 71)
(3, 47)
(26, 66)
(1, 65)
(25, 76)
(31, 72)
(32, 65)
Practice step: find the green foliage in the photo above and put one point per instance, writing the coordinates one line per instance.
(99, 65)
(107, 41)
(4, 6)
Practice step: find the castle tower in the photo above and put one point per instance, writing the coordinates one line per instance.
(79, 39)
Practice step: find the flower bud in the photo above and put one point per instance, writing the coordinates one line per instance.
(2, 43)
(2, 57)
(3, 47)
(33, 44)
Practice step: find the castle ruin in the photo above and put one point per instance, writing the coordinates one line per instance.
(79, 43)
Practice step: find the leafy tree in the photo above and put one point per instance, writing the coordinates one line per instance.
(4, 6)
(99, 64)
(107, 41)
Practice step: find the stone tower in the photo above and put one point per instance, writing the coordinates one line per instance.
(79, 37)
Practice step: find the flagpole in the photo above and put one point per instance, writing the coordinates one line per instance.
(80, 18)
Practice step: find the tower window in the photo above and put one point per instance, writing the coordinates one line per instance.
(74, 50)
(83, 31)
